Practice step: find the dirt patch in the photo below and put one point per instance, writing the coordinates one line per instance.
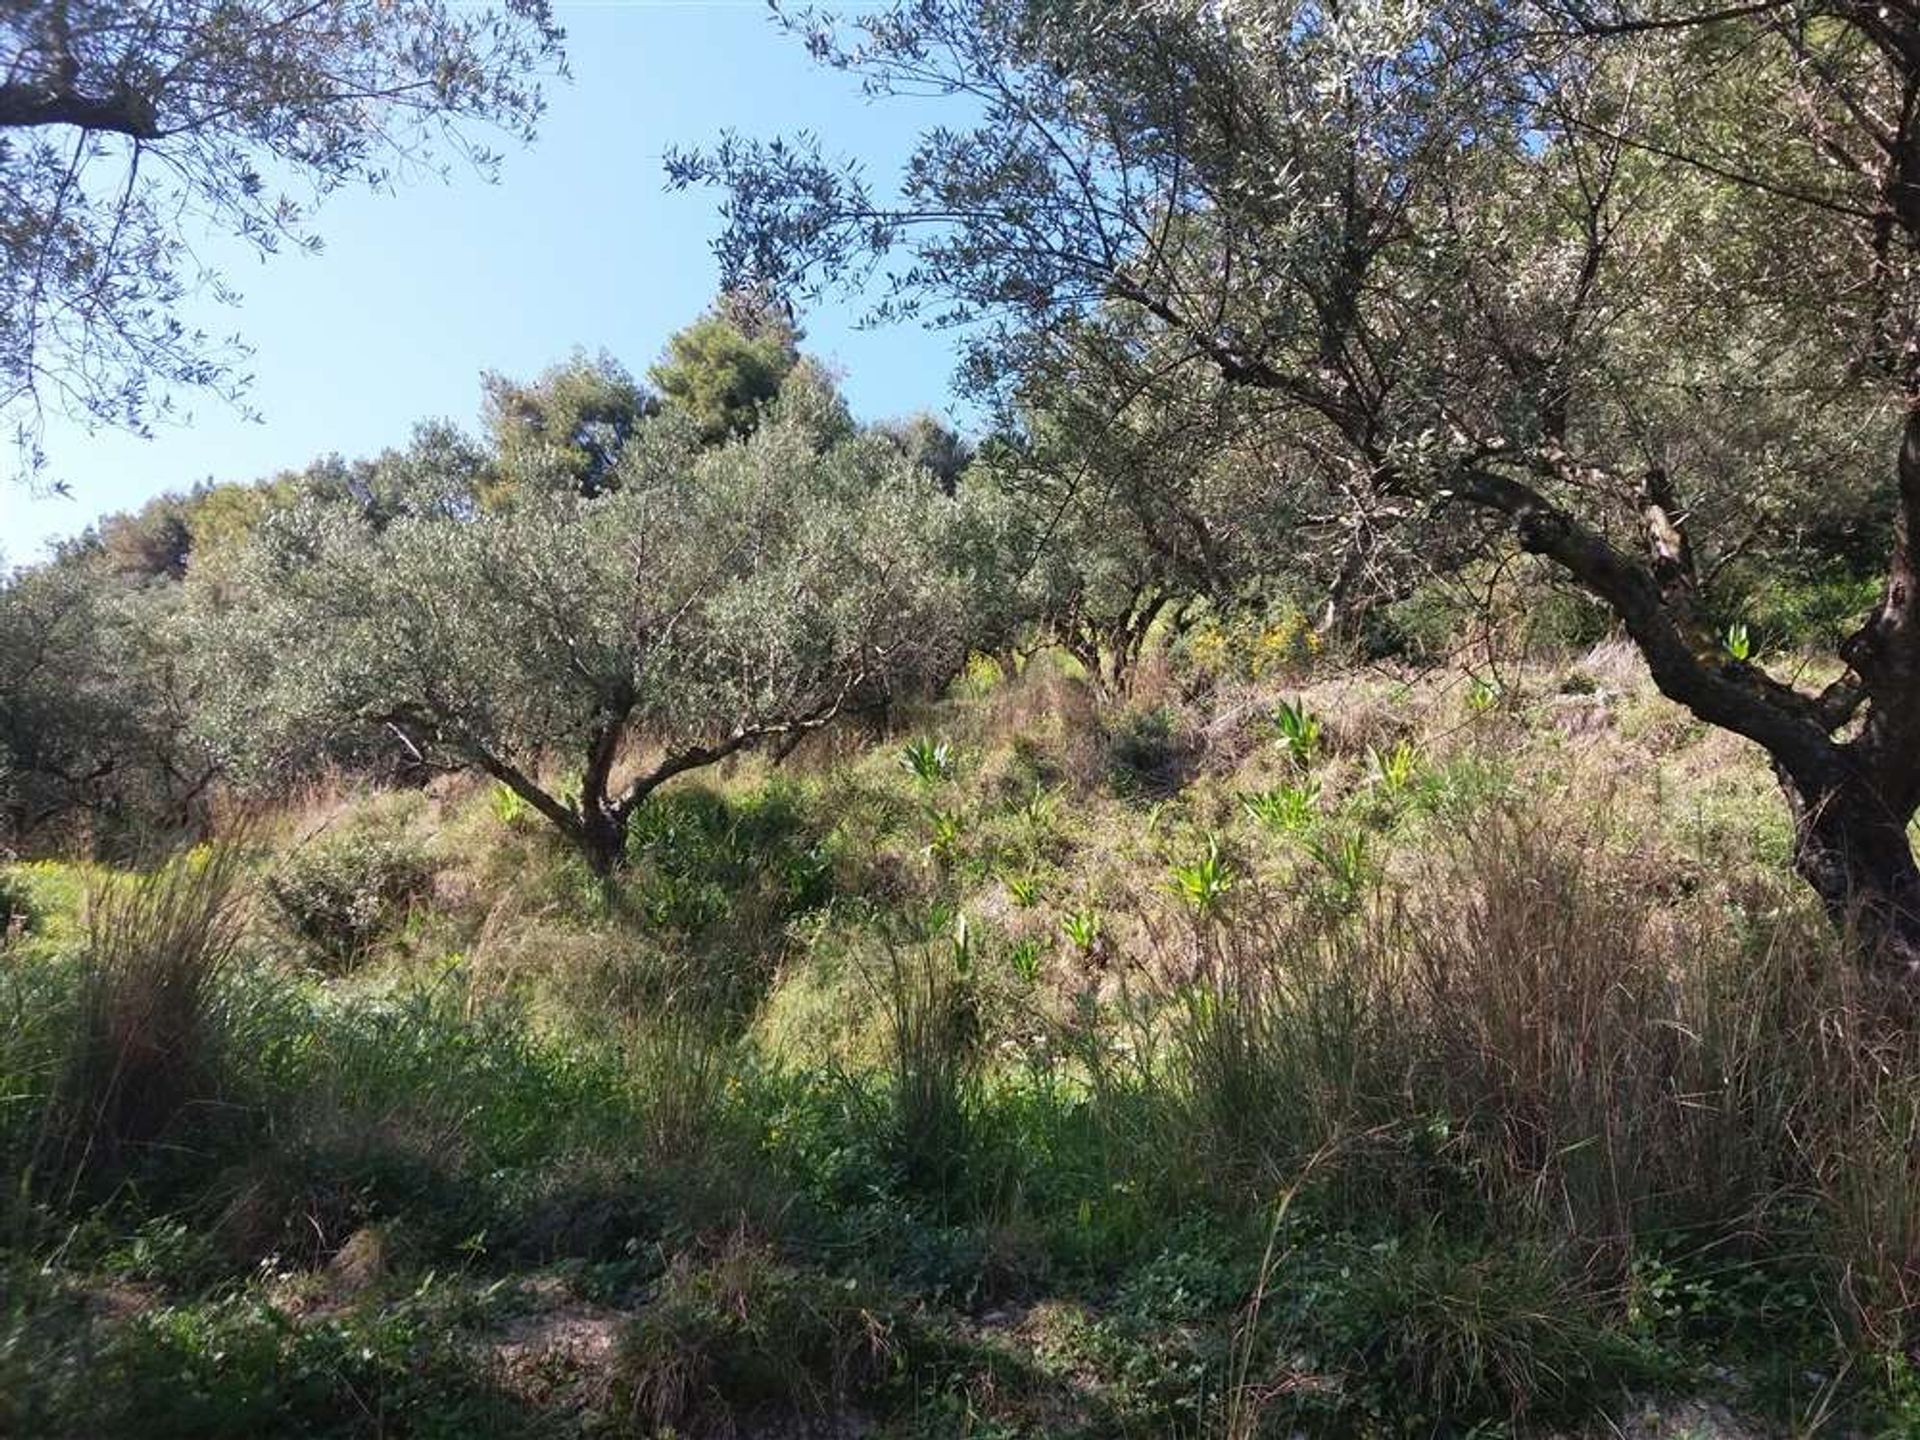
(560, 1353)
(1648, 1419)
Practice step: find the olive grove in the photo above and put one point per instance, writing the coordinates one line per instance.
(1628, 285)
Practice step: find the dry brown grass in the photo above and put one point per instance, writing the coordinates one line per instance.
(150, 1025)
(1531, 1027)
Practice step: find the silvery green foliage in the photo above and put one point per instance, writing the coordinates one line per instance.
(1413, 232)
(95, 703)
(713, 599)
(130, 127)
(1625, 285)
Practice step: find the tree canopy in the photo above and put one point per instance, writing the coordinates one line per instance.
(711, 600)
(1621, 285)
(129, 127)
(728, 364)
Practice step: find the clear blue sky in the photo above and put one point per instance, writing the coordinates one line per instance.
(577, 245)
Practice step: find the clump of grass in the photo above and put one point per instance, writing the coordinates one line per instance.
(151, 1023)
(931, 1030)
(741, 1333)
(1464, 1334)
(679, 1071)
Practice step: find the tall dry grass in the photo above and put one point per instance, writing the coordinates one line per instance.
(1532, 1034)
(150, 1026)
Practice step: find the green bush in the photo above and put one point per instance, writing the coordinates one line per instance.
(1145, 759)
(1818, 610)
(341, 895)
(699, 855)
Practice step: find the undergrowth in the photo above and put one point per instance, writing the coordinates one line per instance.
(1357, 1087)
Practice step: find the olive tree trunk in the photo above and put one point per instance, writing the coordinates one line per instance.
(1854, 850)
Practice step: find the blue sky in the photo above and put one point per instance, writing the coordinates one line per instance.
(577, 245)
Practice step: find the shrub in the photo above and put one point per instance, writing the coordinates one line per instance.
(1144, 757)
(340, 895)
(742, 1334)
(151, 1021)
(1819, 610)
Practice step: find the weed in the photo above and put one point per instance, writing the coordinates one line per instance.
(945, 830)
(507, 806)
(1203, 884)
(929, 761)
(1023, 956)
(1347, 869)
(1394, 772)
(1284, 809)
(1299, 731)
(1082, 929)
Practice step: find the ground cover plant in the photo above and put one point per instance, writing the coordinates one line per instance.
(1421, 1101)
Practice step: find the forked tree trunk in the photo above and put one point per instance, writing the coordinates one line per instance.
(603, 842)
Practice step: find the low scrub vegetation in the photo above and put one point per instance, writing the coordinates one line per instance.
(1376, 1089)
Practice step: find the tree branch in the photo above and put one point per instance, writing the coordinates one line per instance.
(29, 106)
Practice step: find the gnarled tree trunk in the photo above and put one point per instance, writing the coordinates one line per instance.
(1852, 846)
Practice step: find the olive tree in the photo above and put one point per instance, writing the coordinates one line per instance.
(585, 649)
(1150, 496)
(129, 129)
(96, 706)
(1619, 283)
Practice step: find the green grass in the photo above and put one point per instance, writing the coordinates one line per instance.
(1449, 1100)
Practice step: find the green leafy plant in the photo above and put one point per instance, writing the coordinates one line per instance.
(1284, 809)
(1203, 884)
(944, 834)
(507, 806)
(1039, 812)
(1300, 731)
(1347, 866)
(1082, 929)
(1023, 956)
(1737, 642)
(1025, 890)
(1483, 696)
(1394, 772)
(929, 761)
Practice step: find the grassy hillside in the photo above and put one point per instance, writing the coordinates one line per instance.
(1365, 1055)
